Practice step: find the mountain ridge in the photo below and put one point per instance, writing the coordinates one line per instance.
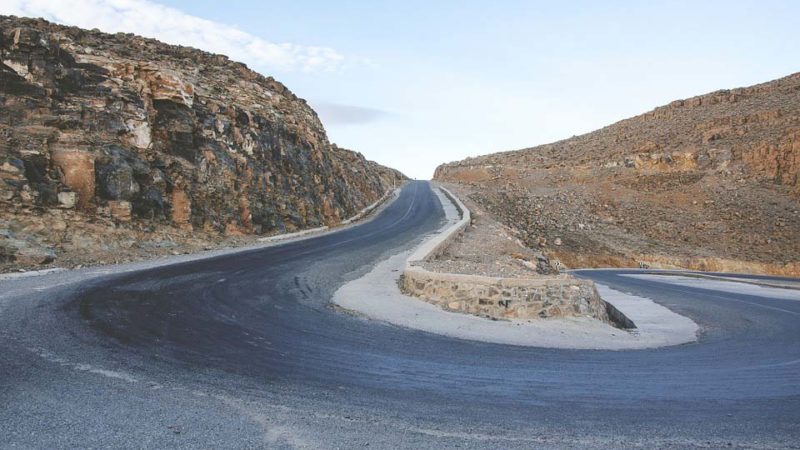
(709, 182)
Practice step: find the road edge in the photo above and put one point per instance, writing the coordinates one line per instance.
(365, 215)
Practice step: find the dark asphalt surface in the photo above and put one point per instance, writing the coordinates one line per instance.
(245, 351)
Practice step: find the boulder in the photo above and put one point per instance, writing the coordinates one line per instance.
(120, 210)
(115, 180)
(67, 199)
(77, 172)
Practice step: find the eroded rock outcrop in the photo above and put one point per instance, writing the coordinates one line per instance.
(707, 183)
(135, 133)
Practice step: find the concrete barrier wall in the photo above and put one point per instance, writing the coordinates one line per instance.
(521, 298)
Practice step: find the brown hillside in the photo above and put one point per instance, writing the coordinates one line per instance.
(707, 183)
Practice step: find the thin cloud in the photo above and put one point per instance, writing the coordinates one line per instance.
(146, 18)
(338, 114)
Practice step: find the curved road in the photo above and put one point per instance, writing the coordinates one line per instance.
(245, 351)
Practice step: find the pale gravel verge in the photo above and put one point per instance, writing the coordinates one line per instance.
(356, 219)
(15, 283)
(732, 286)
(783, 283)
(377, 296)
(30, 273)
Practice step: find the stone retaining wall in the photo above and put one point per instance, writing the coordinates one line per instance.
(519, 298)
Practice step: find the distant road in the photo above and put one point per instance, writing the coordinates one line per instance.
(245, 351)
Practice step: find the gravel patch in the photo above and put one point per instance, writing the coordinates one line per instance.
(488, 248)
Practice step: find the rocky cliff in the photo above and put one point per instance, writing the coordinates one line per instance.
(708, 183)
(104, 133)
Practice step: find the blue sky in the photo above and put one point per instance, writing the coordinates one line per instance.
(412, 84)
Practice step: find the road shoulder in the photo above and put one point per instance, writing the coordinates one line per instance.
(377, 296)
(15, 283)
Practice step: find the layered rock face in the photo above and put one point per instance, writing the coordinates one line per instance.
(120, 131)
(707, 183)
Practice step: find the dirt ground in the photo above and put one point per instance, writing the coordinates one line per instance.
(487, 247)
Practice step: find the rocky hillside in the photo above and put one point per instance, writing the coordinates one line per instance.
(108, 138)
(708, 183)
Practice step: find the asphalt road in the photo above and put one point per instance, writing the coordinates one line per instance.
(245, 351)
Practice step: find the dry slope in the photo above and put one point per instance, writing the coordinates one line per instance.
(108, 142)
(707, 183)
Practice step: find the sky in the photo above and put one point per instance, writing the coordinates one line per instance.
(413, 84)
